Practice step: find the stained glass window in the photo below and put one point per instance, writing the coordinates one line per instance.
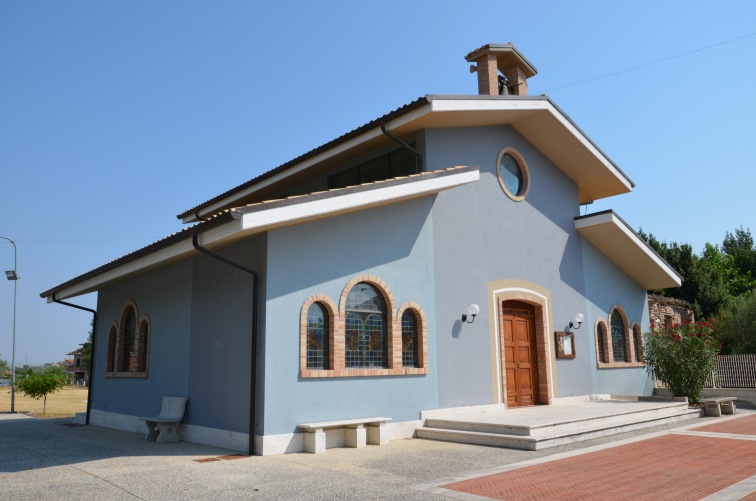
(129, 335)
(143, 343)
(511, 174)
(366, 339)
(618, 337)
(410, 356)
(638, 340)
(110, 362)
(601, 340)
(317, 337)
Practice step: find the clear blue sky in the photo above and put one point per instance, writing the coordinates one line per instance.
(116, 116)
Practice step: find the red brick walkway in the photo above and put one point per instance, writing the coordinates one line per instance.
(670, 467)
(745, 425)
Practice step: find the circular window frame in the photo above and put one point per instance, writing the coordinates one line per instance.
(523, 168)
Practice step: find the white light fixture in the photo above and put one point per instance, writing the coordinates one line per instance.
(575, 324)
(472, 311)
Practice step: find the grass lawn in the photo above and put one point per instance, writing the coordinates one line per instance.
(64, 403)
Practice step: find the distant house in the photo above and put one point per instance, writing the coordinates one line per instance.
(432, 258)
(76, 372)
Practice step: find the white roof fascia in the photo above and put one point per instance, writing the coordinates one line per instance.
(443, 104)
(336, 150)
(611, 217)
(341, 204)
(169, 253)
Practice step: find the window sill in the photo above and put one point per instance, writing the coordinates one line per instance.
(399, 371)
(141, 375)
(620, 365)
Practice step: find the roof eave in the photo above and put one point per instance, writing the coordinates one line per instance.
(614, 238)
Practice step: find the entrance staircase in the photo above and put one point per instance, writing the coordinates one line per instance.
(540, 427)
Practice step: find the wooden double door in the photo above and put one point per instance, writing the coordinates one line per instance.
(520, 356)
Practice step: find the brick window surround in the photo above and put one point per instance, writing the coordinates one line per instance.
(631, 331)
(523, 169)
(115, 363)
(336, 334)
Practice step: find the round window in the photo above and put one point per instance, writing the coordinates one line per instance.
(513, 174)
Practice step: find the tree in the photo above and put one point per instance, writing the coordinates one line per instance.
(39, 384)
(739, 248)
(713, 278)
(3, 367)
(736, 325)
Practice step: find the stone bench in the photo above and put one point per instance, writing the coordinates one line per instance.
(715, 407)
(357, 433)
(164, 427)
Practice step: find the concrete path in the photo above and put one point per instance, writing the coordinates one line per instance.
(45, 459)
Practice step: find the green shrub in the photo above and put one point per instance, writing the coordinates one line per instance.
(682, 356)
(40, 384)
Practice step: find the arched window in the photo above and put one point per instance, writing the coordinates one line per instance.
(601, 342)
(618, 337)
(410, 341)
(143, 345)
(128, 336)
(365, 329)
(110, 361)
(638, 343)
(317, 337)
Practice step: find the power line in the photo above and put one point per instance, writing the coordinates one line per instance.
(651, 63)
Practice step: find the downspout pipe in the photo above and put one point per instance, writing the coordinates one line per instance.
(92, 355)
(255, 303)
(405, 145)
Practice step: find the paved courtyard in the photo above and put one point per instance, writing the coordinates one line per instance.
(45, 459)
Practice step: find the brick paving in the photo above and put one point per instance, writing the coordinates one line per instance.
(745, 425)
(670, 467)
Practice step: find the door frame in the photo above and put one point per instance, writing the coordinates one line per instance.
(541, 301)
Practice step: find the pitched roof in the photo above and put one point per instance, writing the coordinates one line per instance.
(247, 220)
(537, 118)
(422, 101)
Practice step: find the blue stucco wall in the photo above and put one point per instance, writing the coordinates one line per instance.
(221, 337)
(607, 286)
(481, 236)
(201, 316)
(393, 243)
(165, 294)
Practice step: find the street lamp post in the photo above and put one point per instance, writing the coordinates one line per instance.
(12, 275)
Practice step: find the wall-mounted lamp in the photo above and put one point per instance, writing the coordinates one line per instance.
(575, 324)
(472, 311)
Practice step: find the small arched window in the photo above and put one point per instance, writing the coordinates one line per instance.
(143, 346)
(365, 326)
(638, 343)
(601, 342)
(127, 349)
(317, 337)
(410, 341)
(618, 337)
(110, 361)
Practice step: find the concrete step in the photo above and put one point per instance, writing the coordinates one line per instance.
(557, 426)
(550, 435)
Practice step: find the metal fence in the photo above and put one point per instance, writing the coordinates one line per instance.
(732, 371)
